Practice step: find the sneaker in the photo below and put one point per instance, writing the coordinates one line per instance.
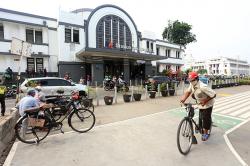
(204, 137)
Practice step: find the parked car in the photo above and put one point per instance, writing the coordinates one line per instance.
(50, 85)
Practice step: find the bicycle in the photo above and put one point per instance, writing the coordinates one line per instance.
(186, 130)
(37, 123)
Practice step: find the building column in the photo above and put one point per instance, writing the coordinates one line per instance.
(148, 69)
(97, 69)
(126, 70)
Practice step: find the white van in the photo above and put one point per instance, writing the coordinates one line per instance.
(50, 85)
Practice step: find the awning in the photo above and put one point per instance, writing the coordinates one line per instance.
(114, 53)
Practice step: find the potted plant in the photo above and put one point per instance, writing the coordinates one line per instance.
(152, 91)
(171, 89)
(126, 97)
(163, 89)
(108, 100)
(137, 94)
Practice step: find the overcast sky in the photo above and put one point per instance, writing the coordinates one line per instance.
(222, 27)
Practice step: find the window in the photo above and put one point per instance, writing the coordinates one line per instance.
(157, 51)
(147, 44)
(76, 36)
(30, 64)
(38, 37)
(1, 32)
(58, 82)
(113, 32)
(167, 52)
(177, 54)
(29, 36)
(152, 47)
(39, 64)
(67, 35)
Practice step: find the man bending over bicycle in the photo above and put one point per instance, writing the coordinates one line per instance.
(205, 98)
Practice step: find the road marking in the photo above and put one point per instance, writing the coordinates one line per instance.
(224, 94)
(229, 144)
(234, 106)
(223, 102)
(246, 115)
(11, 154)
(219, 100)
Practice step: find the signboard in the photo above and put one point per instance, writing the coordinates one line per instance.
(20, 47)
(16, 46)
(26, 51)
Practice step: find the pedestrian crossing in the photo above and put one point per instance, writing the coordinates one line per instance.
(237, 105)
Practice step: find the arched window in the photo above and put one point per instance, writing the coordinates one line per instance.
(113, 32)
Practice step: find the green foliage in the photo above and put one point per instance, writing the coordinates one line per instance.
(163, 87)
(152, 87)
(244, 82)
(202, 71)
(179, 33)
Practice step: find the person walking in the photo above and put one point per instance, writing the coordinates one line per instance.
(3, 90)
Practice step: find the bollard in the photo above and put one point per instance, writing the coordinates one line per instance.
(103, 84)
(136, 82)
(167, 86)
(146, 92)
(131, 99)
(97, 96)
(183, 87)
(175, 87)
(141, 82)
(130, 82)
(115, 95)
(159, 94)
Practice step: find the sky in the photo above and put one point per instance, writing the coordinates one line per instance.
(222, 27)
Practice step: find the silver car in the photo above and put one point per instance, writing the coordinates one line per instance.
(50, 85)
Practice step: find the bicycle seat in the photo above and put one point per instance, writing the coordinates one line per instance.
(32, 110)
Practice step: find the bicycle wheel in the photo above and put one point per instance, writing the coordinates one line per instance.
(31, 135)
(87, 104)
(184, 136)
(81, 120)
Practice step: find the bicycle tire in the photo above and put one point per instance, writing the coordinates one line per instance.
(80, 118)
(90, 106)
(32, 131)
(187, 122)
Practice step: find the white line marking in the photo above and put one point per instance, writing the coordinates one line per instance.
(224, 99)
(225, 103)
(240, 111)
(233, 96)
(11, 155)
(237, 107)
(246, 115)
(231, 146)
(232, 117)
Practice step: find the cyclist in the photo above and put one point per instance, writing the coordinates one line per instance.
(205, 98)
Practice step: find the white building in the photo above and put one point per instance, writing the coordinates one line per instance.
(96, 42)
(223, 66)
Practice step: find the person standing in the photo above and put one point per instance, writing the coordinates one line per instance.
(3, 90)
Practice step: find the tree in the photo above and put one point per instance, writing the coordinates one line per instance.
(179, 33)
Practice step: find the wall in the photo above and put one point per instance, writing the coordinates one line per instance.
(7, 130)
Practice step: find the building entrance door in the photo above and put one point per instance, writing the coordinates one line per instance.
(113, 68)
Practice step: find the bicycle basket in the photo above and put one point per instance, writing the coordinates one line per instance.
(35, 122)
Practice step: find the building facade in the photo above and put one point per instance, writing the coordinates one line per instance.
(86, 42)
(223, 66)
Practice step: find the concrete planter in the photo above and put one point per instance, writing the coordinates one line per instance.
(108, 100)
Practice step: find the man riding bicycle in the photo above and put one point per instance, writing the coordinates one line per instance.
(205, 98)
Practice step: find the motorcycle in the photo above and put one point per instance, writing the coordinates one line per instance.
(11, 92)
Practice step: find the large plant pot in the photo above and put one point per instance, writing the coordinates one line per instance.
(171, 92)
(164, 93)
(214, 86)
(137, 96)
(108, 100)
(152, 94)
(126, 98)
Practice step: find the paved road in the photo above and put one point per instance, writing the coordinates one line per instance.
(139, 133)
